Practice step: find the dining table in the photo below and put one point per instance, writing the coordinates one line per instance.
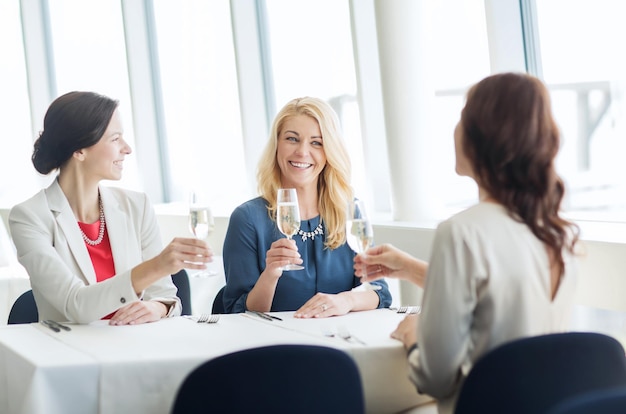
(105, 369)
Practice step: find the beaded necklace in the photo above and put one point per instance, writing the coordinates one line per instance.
(102, 225)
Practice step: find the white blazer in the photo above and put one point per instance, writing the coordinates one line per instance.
(51, 248)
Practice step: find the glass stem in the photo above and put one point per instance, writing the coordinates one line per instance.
(364, 278)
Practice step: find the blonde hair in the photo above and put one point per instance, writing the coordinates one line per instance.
(334, 181)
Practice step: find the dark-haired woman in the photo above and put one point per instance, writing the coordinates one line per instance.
(92, 251)
(503, 268)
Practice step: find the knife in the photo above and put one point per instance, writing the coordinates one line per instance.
(58, 325)
(262, 315)
(273, 317)
(51, 326)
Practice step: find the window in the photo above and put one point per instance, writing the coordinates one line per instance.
(461, 58)
(200, 99)
(311, 55)
(90, 55)
(584, 65)
(17, 134)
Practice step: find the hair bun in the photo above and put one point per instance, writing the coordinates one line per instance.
(41, 158)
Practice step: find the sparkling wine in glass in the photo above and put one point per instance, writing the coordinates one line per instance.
(288, 217)
(201, 223)
(360, 235)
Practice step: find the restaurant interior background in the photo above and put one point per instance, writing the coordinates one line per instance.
(200, 81)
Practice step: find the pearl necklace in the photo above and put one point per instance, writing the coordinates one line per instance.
(100, 233)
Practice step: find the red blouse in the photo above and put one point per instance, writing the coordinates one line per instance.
(101, 254)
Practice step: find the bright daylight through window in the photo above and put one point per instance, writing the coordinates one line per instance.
(584, 64)
(198, 87)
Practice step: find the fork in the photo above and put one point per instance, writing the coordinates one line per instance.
(327, 332)
(344, 334)
(409, 309)
(208, 318)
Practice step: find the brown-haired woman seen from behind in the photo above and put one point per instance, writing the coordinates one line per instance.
(504, 268)
(92, 251)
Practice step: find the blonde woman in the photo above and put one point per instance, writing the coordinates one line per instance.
(305, 151)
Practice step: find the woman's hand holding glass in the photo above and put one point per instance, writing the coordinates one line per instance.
(281, 253)
(386, 260)
(184, 252)
(288, 218)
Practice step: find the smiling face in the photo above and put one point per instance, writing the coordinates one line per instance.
(105, 160)
(300, 154)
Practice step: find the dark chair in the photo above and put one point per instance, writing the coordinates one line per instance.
(181, 280)
(218, 302)
(24, 309)
(611, 401)
(532, 375)
(274, 379)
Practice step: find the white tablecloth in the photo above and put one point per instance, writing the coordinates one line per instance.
(106, 369)
(13, 282)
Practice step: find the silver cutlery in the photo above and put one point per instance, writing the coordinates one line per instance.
(55, 326)
(273, 317)
(60, 325)
(326, 331)
(48, 325)
(265, 316)
(344, 334)
(208, 318)
(409, 309)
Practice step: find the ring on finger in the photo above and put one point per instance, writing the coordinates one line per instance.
(324, 307)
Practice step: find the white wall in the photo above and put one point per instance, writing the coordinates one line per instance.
(603, 275)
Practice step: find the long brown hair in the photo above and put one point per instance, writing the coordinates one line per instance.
(511, 140)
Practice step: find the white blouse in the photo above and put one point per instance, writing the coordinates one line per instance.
(488, 282)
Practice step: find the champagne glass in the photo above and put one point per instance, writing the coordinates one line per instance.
(288, 217)
(360, 235)
(201, 223)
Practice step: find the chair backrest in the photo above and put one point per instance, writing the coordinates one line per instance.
(24, 309)
(533, 374)
(274, 379)
(218, 302)
(181, 280)
(611, 401)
